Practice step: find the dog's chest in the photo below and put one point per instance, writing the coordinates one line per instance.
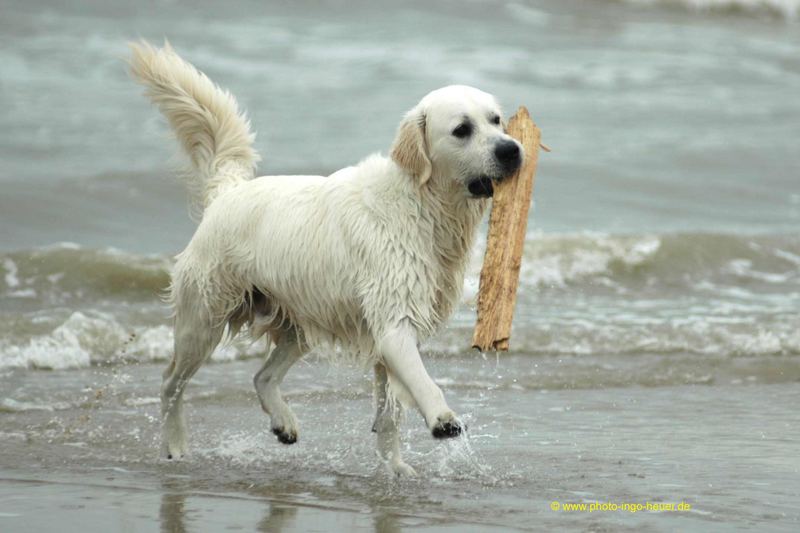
(453, 238)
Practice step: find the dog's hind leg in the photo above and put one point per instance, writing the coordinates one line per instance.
(287, 351)
(196, 336)
(386, 425)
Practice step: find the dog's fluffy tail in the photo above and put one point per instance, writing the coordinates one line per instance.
(206, 119)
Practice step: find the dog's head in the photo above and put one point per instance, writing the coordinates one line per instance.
(457, 132)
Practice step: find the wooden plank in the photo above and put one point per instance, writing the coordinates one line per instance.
(505, 242)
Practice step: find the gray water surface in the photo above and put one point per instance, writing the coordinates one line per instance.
(654, 356)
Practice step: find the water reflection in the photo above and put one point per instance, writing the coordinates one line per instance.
(278, 518)
(386, 522)
(172, 512)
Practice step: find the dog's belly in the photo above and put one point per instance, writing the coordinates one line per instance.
(286, 237)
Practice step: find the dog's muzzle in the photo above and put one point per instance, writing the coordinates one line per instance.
(508, 159)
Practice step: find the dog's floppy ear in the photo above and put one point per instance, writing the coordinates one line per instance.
(410, 149)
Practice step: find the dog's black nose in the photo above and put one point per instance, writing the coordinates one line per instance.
(507, 152)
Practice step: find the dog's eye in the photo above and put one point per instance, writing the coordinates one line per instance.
(463, 130)
(496, 120)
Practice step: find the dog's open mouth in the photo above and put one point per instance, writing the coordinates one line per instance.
(481, 187)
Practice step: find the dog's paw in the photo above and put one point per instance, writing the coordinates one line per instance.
(402, 469)
(285, 436)
(174, 451)
(447, 427)
(284, 424)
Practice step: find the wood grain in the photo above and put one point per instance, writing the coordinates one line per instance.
(508, 222)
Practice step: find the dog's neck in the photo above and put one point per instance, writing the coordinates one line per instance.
(456, 219)
(445, 193)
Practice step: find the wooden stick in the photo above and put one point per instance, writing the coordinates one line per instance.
(507, 224)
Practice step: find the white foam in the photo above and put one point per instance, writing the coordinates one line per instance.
(788, 256)
(552, 265)
(22, 293)
(556, 260)
(12, 435)
(59, 350)
(715, 328)
(152, 344)
(11, 405)
(95, 337)
(62, 245)
(11, 278)
(138, 402)
(744, 268)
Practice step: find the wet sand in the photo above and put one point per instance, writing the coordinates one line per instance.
(84, 455)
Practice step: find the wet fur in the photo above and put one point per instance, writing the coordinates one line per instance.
(370, 259)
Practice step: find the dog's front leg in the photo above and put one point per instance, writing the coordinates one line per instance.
(400, 354)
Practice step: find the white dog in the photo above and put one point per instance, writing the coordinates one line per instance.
(370, 258)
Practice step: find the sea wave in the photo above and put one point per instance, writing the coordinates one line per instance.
(741, 336)
(788, 9)
(95, 338)
(63, 273)
(672, 261)
(66, 271)
(67, 307)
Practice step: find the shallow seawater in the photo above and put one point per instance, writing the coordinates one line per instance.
(79, 441)
(655, 355)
